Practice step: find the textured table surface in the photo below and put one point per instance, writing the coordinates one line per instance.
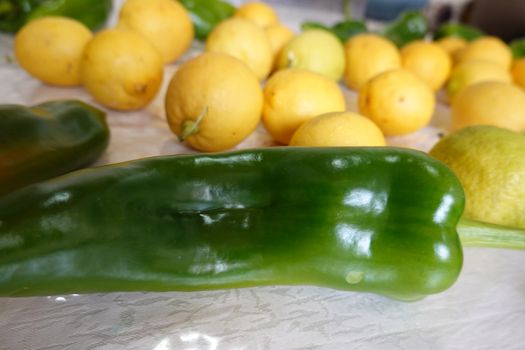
(485, 309)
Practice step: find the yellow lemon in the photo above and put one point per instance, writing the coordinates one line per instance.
(50, 49)
(278, 35)
(518, 72)
(338, 129)
(257, 12)
(428, 61)
(121, 69)
(368, 55)
(486, 48)
(244, 40)
(490, 103)
(165, 23)
(293, 96)
(472, 72)
(317, 50)
(397, 101)
(213, 102)
(451, 44)
(490, 164)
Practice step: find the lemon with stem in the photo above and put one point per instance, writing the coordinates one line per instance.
(213, 102)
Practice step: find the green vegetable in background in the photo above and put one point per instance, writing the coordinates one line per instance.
(464, 31)
(15, 13)
(409, 26)
(379, 220)
(48, 140)
(343, 30)
(206, 14)
(518, 48)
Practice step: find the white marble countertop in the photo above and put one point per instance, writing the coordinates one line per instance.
(485, 309)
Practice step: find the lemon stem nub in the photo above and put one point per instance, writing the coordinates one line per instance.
(191, 127)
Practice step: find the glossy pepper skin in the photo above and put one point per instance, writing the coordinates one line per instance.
(380, 220)
(407, 27)
(15, 13)
(207, 14)
(47, 140)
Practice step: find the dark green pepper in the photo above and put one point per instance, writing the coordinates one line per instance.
(409, 26)
(15, 13)
(47, 140)
(343, 30)
(379, 220)
(518, 48)
(464, 31)
(206, 14)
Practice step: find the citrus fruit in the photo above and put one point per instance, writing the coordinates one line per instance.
(244, 40)
(451, 44)
(317, 50)
(398, 101)
(257, 12)
(292, 96)
(472, 72)
(490, 103)
(213, 102)
(50, 49)
(338, 129)
(367, 55)
(518, 72)
(486, 48)
(121, 69)
(490, 164)
(165, 23)
(428, 61)
(278, 34)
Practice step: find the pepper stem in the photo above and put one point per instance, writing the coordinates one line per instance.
(191, 127)
(481, 234)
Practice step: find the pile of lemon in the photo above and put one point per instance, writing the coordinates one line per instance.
(255, 70)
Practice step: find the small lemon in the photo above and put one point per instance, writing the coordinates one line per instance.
(490, 103)
(518, 72)
(451, 44)
(367, 55)
(317, 50)
(292, 96)
(486, 48)
(165, 23)
(472, 72)
(398, 101)
(213, 102)
(121, 69)
(428, 61)
(279, 35)
(338, 129)
(50, 49)
(257, 12)
(490, 164)
(244, 40)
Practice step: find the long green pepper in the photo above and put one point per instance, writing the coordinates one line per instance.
(49, 139)
(380, 220)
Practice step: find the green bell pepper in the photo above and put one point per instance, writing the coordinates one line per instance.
(464, 31)
(15, 13)
(407, 27)
(380, 220)
(518, 48)
(47, 140)
(206, 14)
